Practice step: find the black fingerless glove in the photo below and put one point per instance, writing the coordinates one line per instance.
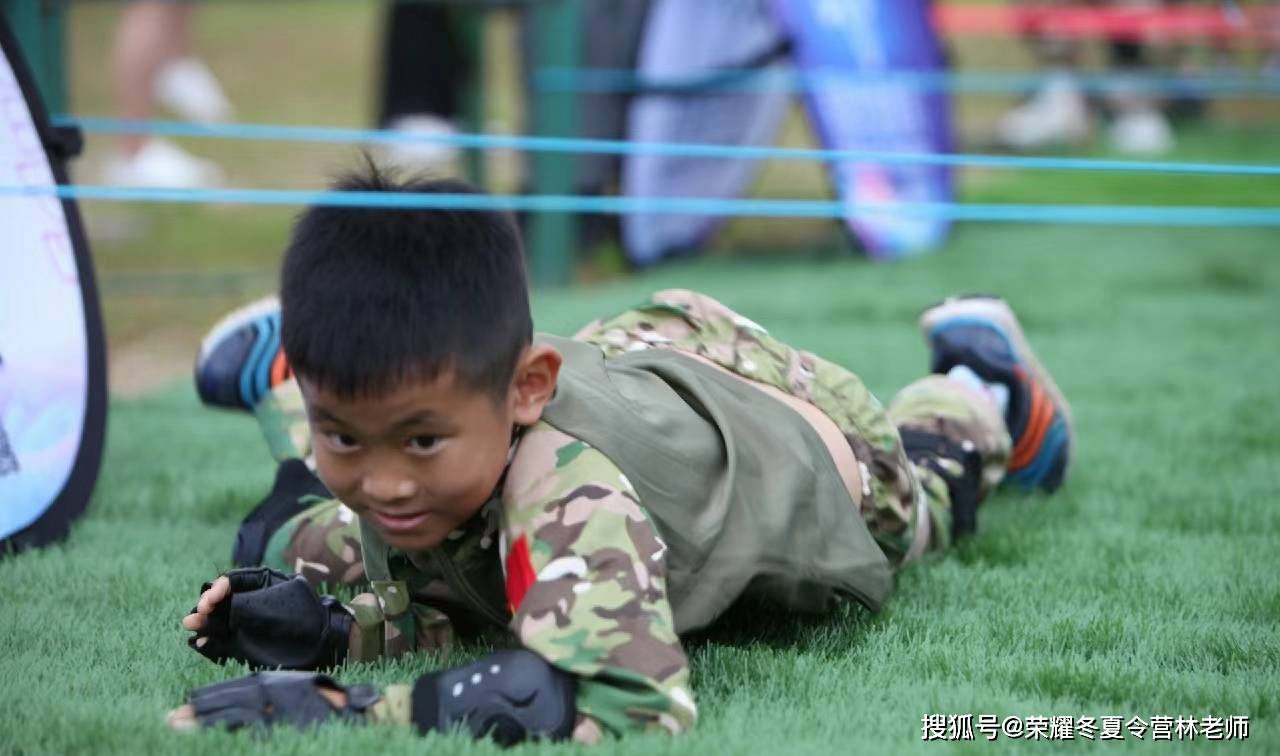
(274, 620)
(269, 698)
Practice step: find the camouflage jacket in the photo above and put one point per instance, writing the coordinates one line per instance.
(567, 561)
(739, 495)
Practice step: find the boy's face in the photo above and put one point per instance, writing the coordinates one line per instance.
(417, 462)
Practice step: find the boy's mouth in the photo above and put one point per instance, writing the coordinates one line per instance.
(398, 523)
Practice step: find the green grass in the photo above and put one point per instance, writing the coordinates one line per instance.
(1149, 586)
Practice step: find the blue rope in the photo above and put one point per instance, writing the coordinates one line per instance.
(772, 208)
(281, 133)
(610, 80)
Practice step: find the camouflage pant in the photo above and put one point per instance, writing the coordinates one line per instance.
(906, 506)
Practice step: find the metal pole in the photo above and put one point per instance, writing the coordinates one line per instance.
(471, 25)
(557, 39)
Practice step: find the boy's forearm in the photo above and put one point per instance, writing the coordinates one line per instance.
(508, 695)
(396, 707)
(591, 598)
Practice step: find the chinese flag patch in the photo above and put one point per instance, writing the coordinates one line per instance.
(519, 572)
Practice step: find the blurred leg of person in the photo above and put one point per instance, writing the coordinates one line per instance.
(1271, 39)
(151, 33)
(612, 42)
(1138, 125)
(424, 69)
(1057, 112)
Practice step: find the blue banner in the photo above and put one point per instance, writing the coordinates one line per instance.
(865, 112)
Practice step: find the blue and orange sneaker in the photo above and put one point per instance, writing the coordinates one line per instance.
(982, 333)
(240, 359)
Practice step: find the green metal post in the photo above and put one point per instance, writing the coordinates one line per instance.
(557, 40)
(38, 25)
(471, 25)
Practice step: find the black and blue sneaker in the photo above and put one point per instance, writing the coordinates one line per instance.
(982, 333)
(240, 359)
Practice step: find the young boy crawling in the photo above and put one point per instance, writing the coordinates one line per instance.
(590, 499)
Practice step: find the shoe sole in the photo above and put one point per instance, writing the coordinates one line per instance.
(997, 312)
(235, 320)
(261, 375)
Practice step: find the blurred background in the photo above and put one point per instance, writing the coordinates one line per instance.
(1148, 80)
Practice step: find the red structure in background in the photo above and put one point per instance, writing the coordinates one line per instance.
(1146, 24)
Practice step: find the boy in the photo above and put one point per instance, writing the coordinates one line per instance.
(592, 497)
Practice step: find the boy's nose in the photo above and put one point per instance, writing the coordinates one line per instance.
(386, 489)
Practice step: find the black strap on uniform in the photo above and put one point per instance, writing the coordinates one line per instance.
(925, 448)
(508, 695)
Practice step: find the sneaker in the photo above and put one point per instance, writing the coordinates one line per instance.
(187, 87)
(162, 164)
(1143, 131)
(982, 333)
(422, 152)
(1057, 115)
(241, 358)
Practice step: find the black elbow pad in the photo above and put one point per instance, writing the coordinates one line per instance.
(508, 695)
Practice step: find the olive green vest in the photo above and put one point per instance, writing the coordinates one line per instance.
(740, 486)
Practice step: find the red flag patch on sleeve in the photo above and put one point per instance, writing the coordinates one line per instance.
(519, 572)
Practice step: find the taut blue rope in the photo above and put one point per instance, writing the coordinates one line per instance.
(773, 208)
(272, 132)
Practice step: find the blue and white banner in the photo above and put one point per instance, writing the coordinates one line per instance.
(846, 54)
(843, 45)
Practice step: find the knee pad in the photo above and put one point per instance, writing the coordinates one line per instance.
(508, 695)
(928, 449)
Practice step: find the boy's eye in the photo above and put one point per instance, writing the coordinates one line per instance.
(342, 441)
(423, 443)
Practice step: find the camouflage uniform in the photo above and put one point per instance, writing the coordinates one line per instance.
(566, 558)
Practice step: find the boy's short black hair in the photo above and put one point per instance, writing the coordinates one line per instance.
(371, 297)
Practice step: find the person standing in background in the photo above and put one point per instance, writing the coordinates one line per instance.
(426, 67)
(1058, 114)
(152, 63)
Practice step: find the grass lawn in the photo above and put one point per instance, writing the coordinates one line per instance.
(1149, 586)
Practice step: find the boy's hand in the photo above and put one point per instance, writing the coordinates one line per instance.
(266, 618)
(269, 698)
(210, 597)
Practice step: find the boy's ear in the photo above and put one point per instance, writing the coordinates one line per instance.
(534, 382)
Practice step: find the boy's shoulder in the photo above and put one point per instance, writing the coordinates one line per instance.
(556, 484)
(550, 465)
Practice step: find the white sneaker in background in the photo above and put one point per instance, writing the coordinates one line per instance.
(423, 155)
(1056, 115)
(1141, 131)
(162, 164)
(188, 88)
(1271, 66)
